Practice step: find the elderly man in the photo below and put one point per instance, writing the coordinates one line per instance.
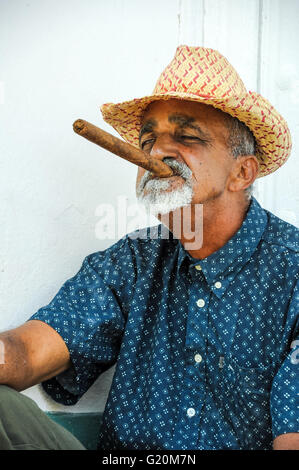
(202, 334)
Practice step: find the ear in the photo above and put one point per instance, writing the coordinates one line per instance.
(244, 173)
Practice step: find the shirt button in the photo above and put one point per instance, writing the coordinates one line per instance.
(198, 358)
(218, 285)
(198, 267)
(191, 412)
(200, 303)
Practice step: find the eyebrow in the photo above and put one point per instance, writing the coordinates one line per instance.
(147, 127)
(182, 120)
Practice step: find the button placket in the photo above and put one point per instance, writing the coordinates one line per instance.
(194, 391)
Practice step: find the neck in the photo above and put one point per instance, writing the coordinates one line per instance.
(205, 228)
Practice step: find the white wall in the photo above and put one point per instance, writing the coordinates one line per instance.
(59, 61)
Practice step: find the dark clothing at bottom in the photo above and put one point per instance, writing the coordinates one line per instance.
(24, 426)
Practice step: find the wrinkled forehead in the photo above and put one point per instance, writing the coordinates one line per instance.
(183, 113)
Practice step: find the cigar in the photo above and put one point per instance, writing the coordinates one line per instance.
(121, 148)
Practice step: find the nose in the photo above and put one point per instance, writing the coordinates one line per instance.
(164, 147)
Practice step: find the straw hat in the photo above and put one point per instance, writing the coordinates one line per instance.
(205, 76)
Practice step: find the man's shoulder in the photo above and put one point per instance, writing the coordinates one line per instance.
(282, 234)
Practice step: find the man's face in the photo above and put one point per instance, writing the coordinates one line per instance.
(193, 138)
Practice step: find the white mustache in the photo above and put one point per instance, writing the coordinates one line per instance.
(179, 168)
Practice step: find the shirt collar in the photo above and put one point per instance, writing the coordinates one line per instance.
(220, 268)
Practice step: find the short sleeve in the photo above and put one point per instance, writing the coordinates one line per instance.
(285, 386)
(88, 315)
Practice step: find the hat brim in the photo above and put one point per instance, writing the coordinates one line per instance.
(270, 130)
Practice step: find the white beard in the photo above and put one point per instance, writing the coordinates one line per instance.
(158, 200)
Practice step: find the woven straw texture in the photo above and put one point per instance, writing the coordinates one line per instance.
(204, 75)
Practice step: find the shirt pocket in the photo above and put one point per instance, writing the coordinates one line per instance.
(245, 403)
(249, 380)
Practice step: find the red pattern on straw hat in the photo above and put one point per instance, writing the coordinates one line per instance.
(205, 76)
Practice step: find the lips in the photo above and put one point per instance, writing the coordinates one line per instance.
(180, 169)
(162, 182)
(175, 175)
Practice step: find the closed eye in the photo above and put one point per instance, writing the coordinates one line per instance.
(190, 139)
(147, 142)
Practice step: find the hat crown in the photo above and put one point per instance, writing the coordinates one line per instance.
(200, 71)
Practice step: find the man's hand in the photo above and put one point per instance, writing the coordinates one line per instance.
(30, 354)
(289, 441)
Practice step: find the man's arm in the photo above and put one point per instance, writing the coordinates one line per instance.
(30, 354)
(289, 441)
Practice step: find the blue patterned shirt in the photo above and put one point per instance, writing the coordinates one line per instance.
(205, 350)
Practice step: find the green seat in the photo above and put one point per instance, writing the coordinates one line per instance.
(84, 426)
